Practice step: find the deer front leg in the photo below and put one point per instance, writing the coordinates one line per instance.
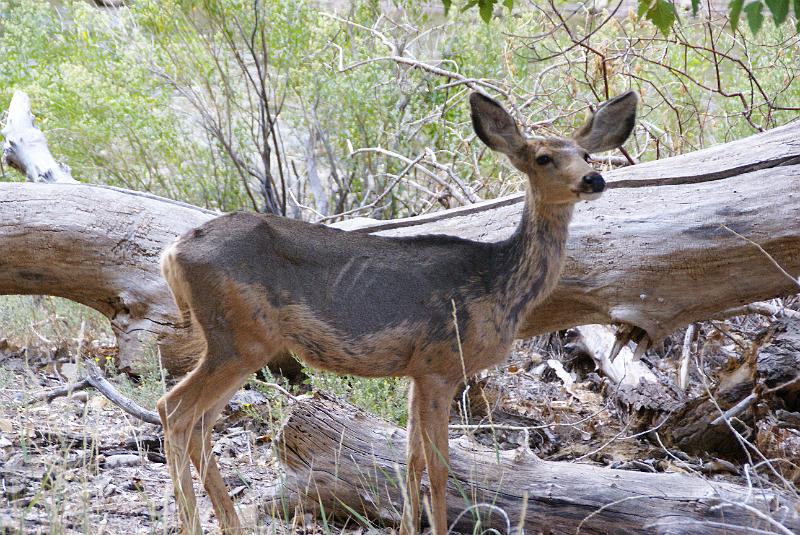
(434, 399)
(416, 464)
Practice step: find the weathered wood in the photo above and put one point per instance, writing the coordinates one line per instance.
(653, 256)
(100, 247)
(767, 377)
(598, 341)
(336, 455)
(25, 147)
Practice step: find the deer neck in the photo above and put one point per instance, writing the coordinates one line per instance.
(532, 258)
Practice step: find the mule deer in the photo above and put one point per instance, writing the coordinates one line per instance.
(255, 286)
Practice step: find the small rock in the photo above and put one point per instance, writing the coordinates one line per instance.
(98, 403)
(12, 491)
(246, 398)
(134, 485)
(8, 524)
(80, 396)
(70, 371)
(536, 359)
(6, 426)
(115, 461)
(4, 442)
(110, 490)
(719, 466)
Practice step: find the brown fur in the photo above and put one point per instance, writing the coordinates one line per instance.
(256, 286)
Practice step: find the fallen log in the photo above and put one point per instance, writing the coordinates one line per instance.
(100, 247)
(652, 252)
(660, 249)
(342, 459)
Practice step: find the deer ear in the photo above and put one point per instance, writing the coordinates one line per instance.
(496, 128)
(610, 125)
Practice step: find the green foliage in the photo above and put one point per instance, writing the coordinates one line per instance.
(485, 7)
(27, 319)
(779, 9)
(110, 92)
(736, 12)
(754, 16)
(385, 397)
(660, 12)
(147, 388)
(103, 110)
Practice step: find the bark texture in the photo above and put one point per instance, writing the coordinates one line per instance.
(336, 455)
(651, 253)
(100, 247)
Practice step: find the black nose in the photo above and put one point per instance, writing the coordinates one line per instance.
(595, 182)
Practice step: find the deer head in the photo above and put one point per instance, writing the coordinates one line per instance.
(557, 168)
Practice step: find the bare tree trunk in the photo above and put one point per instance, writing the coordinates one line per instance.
(340, 457)
(652, 252)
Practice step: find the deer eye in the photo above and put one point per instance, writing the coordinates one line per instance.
(587, 157)
(543, 159)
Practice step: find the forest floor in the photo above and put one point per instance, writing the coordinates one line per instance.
(79, 464)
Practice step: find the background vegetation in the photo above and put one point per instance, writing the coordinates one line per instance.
(170, 96)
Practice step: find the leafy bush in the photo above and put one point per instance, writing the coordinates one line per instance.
(114, 90)
(385, 397)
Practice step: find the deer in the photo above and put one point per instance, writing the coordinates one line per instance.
(433, 308)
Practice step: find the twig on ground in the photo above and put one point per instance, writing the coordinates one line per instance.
(766, 518)
(686, 353)
(737, 409)
(761, 307)
(94, 378)
(61, 391)
(277, 387)
(503, 427)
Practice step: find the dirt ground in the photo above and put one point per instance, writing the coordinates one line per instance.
(82, 465)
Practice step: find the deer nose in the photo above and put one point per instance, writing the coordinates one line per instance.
(594, 182)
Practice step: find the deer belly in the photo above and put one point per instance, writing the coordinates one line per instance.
(378, 354)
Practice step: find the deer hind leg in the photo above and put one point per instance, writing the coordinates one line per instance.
(187, 413)
(416, 464)
(200, 451)
(434, 397)
(178, 411)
